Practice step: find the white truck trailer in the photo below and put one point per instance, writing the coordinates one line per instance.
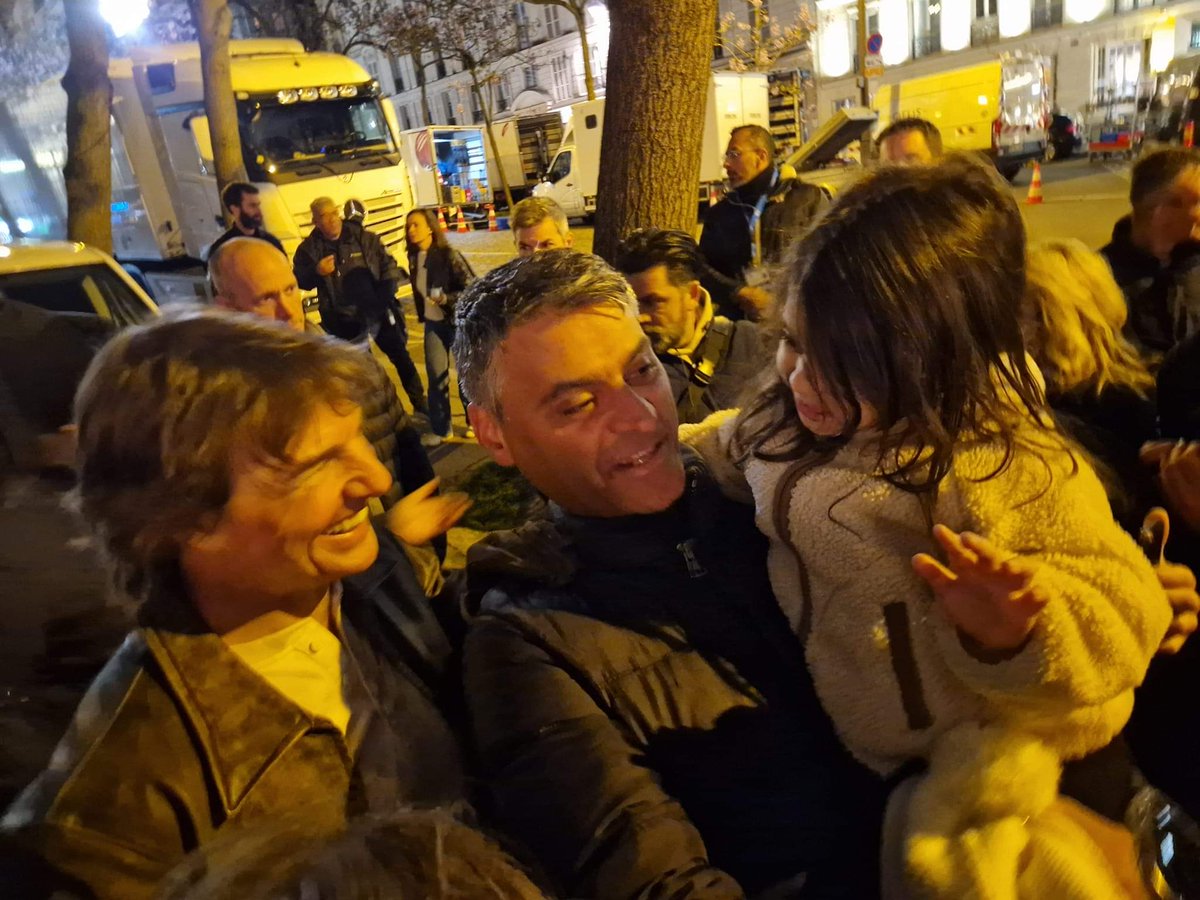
(733, 99)
(311, 125)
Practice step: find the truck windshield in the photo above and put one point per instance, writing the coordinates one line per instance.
(278, 136)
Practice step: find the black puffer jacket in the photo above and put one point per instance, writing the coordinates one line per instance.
(645, 715)
(727, 239)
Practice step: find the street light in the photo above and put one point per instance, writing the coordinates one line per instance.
(124, 16)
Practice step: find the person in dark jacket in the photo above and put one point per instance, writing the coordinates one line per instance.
(243, 206)
(286, 660)
(708, 358)
(632, 682)
(753, 224)
(1154, 252)
(439, 273)
(355, 278)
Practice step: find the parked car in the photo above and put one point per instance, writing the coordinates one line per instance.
(1063, 138)
(58, 302)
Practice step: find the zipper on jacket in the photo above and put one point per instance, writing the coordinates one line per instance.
(688, 549)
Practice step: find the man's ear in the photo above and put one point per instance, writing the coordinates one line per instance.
(490, 434)
(694, 289)
(570, 239)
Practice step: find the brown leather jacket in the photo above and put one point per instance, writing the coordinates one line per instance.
(177, 739)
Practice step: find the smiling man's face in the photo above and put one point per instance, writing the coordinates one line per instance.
(296, 526)
(585, 411)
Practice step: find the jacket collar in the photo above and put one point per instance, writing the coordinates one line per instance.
(241, 723)
(648, 539)
(762, 183)
(1127, 257)
(704, 320)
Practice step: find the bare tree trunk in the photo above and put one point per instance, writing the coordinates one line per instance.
(658, 68)
(213, 31)
(589, 82)
(487, 124)
(88, 171)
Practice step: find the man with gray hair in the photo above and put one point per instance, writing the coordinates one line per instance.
(355, 278)
(638, 698)
(538, 223)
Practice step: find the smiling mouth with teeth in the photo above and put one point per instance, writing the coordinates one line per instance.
(349, 524)
(640, 459)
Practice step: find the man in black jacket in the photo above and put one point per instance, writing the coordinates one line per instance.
(243, 204)
(355, 278)
(754, 223)
(641, 707)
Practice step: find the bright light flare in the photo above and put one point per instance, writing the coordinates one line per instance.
(124, 16)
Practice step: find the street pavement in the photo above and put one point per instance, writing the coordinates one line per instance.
(59, 623)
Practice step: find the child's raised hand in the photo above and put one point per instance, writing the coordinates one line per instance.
(992, 599)
(419, 517)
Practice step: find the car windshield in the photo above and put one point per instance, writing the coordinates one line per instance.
(89, 289)
(278, 135)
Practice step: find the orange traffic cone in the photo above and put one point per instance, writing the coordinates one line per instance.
(462, 221)
(1035, 186)
(492, 225)
(441, 220)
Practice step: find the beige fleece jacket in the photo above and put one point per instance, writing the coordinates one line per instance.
(889, 668)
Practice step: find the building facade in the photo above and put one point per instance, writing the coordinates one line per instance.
(544, 72)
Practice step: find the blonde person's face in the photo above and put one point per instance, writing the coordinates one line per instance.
(819, 411)
(542, 236)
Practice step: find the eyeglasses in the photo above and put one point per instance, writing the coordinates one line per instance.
(733, 155)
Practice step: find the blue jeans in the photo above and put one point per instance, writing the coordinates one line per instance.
(439, 338)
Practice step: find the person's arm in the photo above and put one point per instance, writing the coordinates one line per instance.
(1105, 612)
(380, 259)
(461, 275)
(570, 784)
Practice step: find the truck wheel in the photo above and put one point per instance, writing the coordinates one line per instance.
(1010, 172)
